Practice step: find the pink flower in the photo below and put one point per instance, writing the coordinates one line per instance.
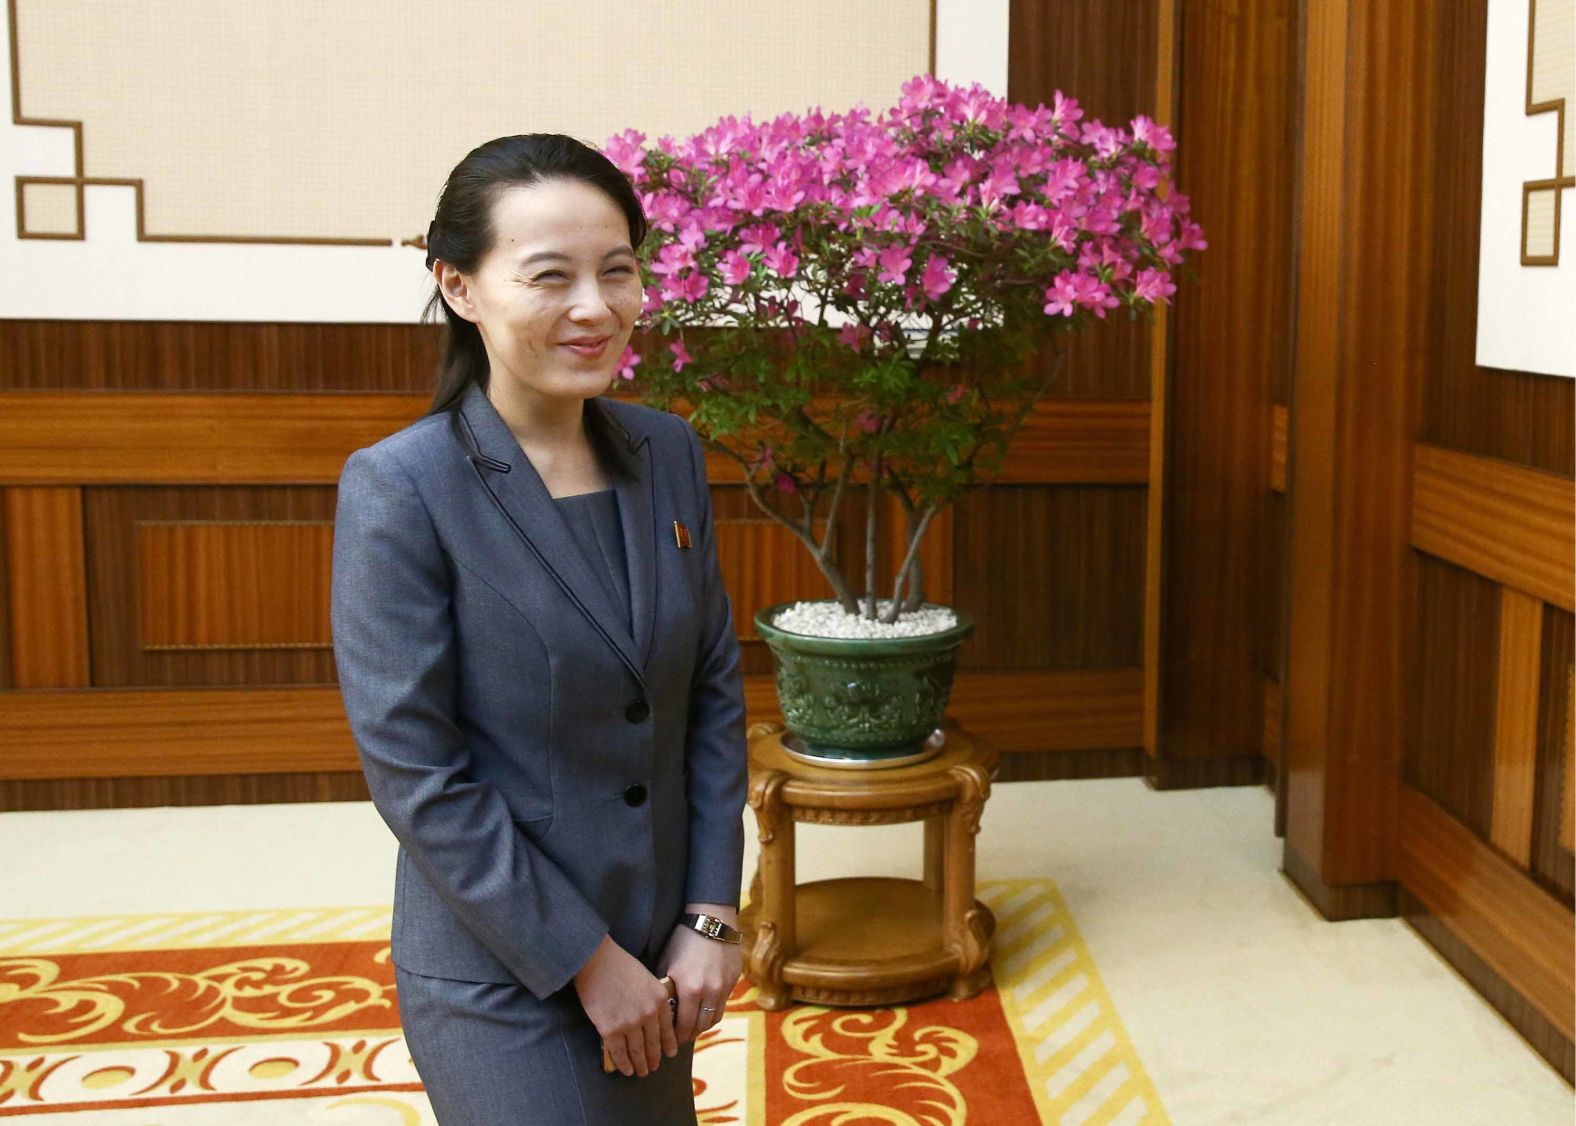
(954, 393)
(1084, 290)
(681, 356)
(624, 151)
(689, 289)
(1157, 137)
(1030, 217)
(755, 240)
(894, 262)
(1061, 296)
(868, 421)
(853, 336)
(1153, 286)
(735, 268)
(626, 364)
(672, 258)
(782, 261)
(1192, 237)
(786, 484)
(694, 287)
(937, 277)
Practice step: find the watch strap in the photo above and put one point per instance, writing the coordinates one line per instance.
(712, 927)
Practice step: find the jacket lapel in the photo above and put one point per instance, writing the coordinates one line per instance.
(522, 496)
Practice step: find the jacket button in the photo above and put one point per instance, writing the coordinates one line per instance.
(635, 795)
(637, 711)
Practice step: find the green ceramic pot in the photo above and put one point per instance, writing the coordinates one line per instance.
(861, 701)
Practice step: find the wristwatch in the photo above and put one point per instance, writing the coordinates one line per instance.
(712, 927)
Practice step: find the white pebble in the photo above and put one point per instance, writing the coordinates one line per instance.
(829, 619)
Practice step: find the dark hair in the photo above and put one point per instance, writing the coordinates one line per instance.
(462, 232)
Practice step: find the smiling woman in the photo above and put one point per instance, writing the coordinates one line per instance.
(559, 751)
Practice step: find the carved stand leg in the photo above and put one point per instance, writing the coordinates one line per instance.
(967, 926)
(774, 920)
(935, 851)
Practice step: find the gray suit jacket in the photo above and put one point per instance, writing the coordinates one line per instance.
(550, 778)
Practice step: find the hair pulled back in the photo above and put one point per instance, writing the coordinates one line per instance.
(462, 230)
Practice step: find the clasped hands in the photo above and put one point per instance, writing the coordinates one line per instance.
(629, 1005)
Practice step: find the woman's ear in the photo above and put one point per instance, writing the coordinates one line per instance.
(456, 289)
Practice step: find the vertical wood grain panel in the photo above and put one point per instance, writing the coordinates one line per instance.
(1104, 55)
(762, 563)
(935, 552)
(46, 588)
(1568, 790)
(213, 356)
(235, 585)
(5, 604)
(1370, 124)
(1516, 724)
(1231, 339)
(1311, 473)
(1450, 748)
(1552, 863)
(1166, 17)
(121, 655)
(1053, 576)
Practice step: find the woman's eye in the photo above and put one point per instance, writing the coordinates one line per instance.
(620, 270)
(550, 275)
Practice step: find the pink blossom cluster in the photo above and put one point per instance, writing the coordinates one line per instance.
(937, 210)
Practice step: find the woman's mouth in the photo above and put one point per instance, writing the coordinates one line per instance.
(587, 349)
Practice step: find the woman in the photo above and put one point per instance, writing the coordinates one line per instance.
(539, 665)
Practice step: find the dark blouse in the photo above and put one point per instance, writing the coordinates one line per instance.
(593, 518)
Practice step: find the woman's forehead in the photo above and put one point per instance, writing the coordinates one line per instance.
(565, 216)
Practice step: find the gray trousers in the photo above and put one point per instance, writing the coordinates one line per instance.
(494, 1055)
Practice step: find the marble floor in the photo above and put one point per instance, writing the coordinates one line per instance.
(1243, 1004)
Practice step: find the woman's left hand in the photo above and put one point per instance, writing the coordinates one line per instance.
(704, 970)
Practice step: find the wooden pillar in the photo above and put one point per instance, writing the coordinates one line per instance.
(1234, 73)
(1363, 225)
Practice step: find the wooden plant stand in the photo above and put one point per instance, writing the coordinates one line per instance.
(868, 940)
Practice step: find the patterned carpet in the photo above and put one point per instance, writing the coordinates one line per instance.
(270, 1018)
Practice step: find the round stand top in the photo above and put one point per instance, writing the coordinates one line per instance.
(936, 779)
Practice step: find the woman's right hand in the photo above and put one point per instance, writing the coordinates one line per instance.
(629, 1007)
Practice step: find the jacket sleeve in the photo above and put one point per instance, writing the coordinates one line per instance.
(394, 646)
(715, 745)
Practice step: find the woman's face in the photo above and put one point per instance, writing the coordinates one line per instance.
(557, 295)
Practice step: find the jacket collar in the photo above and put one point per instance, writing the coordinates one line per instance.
(522, 497)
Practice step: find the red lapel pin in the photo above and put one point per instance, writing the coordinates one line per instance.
(681, 534)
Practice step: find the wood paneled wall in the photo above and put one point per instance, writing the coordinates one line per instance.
(1231, 358)
(1428, 677)
(151, 471)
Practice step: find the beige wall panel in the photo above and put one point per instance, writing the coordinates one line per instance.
(48, 209)
(1516, 724)
(1552, 56)
(220, 108)
(46, 587)
(235, 586)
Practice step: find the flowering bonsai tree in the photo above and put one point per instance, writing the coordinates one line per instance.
(849, 299)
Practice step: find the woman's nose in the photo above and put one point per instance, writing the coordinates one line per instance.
(588, 303)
